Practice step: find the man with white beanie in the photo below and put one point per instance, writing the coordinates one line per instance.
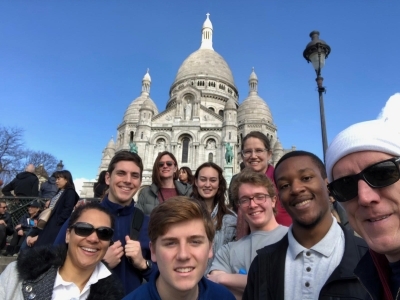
(362, 164)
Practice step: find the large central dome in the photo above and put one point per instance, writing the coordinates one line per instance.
(205, 62)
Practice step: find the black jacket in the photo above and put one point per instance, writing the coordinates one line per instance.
(9, 227)
(48, 189)
(38, 269)
(25, 184)
(372, 273)
(266, 276)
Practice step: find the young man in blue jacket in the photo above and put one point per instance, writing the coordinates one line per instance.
(181, 233)
(129, 260)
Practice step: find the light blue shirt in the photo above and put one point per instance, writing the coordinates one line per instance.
(307, 270)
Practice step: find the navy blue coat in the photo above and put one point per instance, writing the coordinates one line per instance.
(61, 212)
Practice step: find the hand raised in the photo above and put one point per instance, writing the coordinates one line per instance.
(114, 254)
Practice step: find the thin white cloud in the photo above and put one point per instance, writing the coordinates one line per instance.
(390, 112)
(79, 183)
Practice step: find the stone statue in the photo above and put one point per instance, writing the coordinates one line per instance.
(228, 153)
(210, 144)
(133, 147)
(188, 111)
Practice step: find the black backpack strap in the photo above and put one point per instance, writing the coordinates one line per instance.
(136, 224)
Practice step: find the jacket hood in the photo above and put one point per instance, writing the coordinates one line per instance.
(33, 262)
(24, 175)
(52, 180)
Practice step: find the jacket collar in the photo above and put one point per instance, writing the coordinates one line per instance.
(368, 270)
(118, 209)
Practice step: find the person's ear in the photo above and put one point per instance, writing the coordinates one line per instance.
(67, 236)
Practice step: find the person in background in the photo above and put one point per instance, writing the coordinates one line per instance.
(362, 163)
(181, 234)
(256, 154)
(26, 222)
(25, 184)
(185, 175)
(210, 187)
(165, 183)
(49, 188)
(62, 205)
(71, 271)
(6, 227)
(100, 187)
(255, 195)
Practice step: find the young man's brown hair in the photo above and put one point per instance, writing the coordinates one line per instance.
(178, 209)
(253, 178)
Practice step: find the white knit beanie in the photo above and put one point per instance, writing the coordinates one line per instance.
(377, 135)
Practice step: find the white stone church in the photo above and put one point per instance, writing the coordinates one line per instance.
(201, 117)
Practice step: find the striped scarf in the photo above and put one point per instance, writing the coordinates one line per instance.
(55, 199)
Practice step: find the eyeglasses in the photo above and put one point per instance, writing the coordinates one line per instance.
(249, 152)
(168, 163)
(257, 198)
(378, 175)
(86, 229)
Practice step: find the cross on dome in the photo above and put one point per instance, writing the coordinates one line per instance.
(206, 34)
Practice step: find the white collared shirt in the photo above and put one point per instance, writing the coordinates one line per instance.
(64, 290)
(307, 270)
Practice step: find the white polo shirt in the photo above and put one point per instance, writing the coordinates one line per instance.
(307, 270)
(64, 290)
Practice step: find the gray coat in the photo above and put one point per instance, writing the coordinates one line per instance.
(148, 196)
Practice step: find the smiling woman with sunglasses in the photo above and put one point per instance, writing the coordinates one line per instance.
(363, 167)
(165, 183)
(71, 271)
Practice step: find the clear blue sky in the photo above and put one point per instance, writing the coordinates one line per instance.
(69, 69)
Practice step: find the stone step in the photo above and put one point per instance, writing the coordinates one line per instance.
(5, 260)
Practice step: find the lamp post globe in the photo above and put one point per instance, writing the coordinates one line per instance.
(316, 52)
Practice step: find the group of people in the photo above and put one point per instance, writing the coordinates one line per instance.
(277, 238)
(61, 197)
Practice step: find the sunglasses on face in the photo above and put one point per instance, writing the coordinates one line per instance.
(378, 175)
(85, 229)
(168, 163)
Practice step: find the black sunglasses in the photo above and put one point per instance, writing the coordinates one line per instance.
(378, 175)
(168, 163)
(85, 229)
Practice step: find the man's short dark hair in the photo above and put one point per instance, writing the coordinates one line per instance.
(125, 156)
(317, 161)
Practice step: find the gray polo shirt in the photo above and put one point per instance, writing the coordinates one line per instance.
(307, 270)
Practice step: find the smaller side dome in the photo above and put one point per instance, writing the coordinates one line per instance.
(254, 106)
(230, 104)
(253, 75)
(111, 144)
(147, 104)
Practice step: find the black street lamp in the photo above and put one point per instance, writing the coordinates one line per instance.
(316, 52)
(60, 166)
